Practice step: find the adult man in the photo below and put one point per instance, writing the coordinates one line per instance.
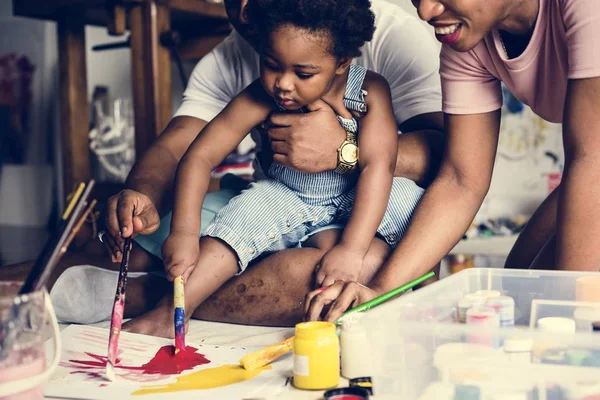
(271, 291)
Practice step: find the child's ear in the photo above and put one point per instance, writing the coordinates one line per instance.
(342, 65)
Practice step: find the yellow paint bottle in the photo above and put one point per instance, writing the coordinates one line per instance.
(316, 356)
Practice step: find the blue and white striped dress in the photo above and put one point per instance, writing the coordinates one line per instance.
(276, 213)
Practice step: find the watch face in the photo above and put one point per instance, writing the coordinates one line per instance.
(349, 153)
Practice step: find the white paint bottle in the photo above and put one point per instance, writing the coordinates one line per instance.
(355, 350)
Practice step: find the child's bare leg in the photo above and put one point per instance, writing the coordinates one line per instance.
(217, 264)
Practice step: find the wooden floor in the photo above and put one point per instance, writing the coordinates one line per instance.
(19, 244)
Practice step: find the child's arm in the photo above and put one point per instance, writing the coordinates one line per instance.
(377, 142)
(209, 149)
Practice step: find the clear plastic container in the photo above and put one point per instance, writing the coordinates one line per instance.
(424, 353)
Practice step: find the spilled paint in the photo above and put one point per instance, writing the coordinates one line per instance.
(164, 362)
(209, 378)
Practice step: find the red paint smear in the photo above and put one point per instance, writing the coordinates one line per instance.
(164, 362)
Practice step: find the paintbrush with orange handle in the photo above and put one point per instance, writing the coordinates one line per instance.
(267, 355)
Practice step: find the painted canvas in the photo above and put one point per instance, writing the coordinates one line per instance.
(146, 368)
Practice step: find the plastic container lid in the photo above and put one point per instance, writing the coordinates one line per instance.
(446, 355)
(517, 345)
(589, 314)
(556, 325)
(488, 293)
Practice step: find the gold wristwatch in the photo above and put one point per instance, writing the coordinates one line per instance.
(347, 154)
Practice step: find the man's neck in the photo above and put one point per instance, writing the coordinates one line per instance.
(521, 17)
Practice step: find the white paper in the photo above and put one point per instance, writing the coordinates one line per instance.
(87, 380)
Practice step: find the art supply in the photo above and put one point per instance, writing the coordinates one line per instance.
(349, 393)
(25, 370)
(465, 303)
(556, 325)
(554, 357)
(596, 326)
(179, 315)
(116, 319)
(45, 262)
(585, 316)
(267, 355)
(271, 353)
(505, 308)
(483, 316)
(488, 294)
(316, 356)
(587, 288)
(518, 350)
(385, 297)
(446, 355)
(52, 249)
(356, 350)
(363, 382)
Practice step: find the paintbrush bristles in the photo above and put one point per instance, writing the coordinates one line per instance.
(267, 355)
(110, 371)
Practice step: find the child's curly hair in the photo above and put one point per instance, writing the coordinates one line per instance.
(350, 23)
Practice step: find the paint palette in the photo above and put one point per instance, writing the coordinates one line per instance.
(146, 367)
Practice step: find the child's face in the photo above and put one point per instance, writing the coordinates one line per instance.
(296, 66)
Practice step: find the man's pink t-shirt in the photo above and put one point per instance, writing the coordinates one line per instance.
(565, 45)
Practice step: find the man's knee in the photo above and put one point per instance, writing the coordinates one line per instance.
(324, 240)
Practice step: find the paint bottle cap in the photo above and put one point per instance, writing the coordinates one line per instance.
(488, 293)
(348, 393)
(517, 345)
(556, 325)
(363, 382)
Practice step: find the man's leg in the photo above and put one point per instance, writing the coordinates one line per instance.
(271, 292)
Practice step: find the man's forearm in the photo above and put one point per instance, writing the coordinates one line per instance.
(154, 173)
(154, 176)
(442, 217)
(578, 237)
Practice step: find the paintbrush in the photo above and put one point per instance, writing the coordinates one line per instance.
(45, 262)
(52, 249)
(267, 355)
(116, 318)
(179, 318)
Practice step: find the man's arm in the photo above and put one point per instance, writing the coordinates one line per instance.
(309, 142)
(153, 175)
(578, 236)
(135, 210)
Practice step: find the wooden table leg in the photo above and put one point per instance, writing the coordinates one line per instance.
(74, 107)
(150, 72)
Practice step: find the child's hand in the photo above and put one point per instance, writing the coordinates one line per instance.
(341, 263)
(180, 254)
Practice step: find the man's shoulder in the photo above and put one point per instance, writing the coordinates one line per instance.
(395, 29)
(234, 49)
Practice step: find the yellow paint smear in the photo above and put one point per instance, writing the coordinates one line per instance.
(209, 378)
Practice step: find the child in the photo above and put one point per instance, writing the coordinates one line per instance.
(306, 51)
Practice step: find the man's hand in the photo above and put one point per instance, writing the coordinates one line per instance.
(180, 254)
(128, 213)
(306, 142)
(341, 263)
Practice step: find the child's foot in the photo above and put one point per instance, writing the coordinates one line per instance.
(157, 322)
